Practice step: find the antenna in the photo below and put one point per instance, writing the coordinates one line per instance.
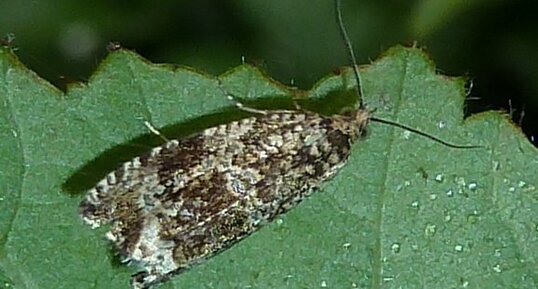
(349, 48)
(421, 133)
(360, 93)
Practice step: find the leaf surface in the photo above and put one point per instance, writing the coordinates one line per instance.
(404, 212)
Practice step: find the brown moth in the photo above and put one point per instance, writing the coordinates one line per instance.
(190, 198)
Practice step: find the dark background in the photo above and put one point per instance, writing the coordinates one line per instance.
(492, 42)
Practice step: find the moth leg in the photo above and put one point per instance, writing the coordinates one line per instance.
(145, 279)
(242, 107)
(237, 103)
(246, 108)
(155, 131)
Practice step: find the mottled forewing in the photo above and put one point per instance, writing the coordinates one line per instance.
(191, 198)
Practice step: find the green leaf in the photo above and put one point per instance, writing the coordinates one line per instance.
(405, 212)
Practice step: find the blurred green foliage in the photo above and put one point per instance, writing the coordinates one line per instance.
(494, 42)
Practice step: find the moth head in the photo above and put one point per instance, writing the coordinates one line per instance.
(354, 122)
(361, 120)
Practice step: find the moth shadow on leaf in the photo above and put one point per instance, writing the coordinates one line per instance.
(88, 175)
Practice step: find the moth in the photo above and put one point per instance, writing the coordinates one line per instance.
(189, 199)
